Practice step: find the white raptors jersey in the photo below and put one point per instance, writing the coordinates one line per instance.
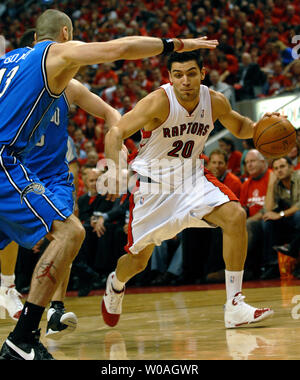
(177, 141)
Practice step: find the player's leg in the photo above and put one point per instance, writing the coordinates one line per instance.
(23, 342)
(10, 299)
(127, 267)
(232, 219)
(61, 322)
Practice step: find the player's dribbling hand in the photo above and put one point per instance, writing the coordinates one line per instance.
(269, 114)
(190, 44)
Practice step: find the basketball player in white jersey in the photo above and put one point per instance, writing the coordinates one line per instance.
(176, 120)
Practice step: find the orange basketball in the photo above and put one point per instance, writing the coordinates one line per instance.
(274, 136)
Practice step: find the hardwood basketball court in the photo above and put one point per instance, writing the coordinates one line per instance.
(180, 323)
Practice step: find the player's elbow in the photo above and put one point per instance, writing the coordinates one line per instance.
(113, 136)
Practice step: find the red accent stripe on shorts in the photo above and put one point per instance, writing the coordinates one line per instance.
(131, 207)
(225, 190)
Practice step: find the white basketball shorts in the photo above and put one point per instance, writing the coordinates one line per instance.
(155, 217)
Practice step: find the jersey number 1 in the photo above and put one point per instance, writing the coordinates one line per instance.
(9, 78)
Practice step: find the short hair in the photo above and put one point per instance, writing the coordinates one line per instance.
(258, 154)
(288, 160)
(219, 152)
(185, 57)
(27, 39)
(228, 141)
(50, 23)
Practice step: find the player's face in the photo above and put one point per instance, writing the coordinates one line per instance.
(186, 78)
(282, 169)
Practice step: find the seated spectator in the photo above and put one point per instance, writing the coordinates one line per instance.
(217, 164)
(248, 76)
(112, 236)
(282, 216)
(92, 159)
(268, 56)
(294, 155)
(222, 87)
(247, 145)
(276, 81)
(229, 66)
(144, 82)
(104, 73)
(126, 107)
(157, 77)
(292, 71)
(234, 156)
(80, 140)
(252, 198)
(89, 205)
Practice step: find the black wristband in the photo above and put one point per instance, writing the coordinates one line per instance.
(168, 45)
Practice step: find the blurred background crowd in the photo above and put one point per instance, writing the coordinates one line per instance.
(254, 59)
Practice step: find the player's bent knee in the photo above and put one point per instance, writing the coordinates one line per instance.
(78, 232)
(237, 216)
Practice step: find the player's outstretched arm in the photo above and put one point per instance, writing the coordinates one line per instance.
(65, 59)
(134, 47)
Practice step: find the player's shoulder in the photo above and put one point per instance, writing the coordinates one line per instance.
(155, 101)
(217, 98)
(219, 103)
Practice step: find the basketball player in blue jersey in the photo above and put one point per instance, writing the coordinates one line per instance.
(50, 160)
(31, 84)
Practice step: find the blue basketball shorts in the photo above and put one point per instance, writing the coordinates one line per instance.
(63, 187)
(27, 207)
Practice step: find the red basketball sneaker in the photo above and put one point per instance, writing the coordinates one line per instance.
(111, 303)
(238, 313)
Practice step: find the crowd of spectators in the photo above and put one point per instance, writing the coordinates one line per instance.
(254, 59)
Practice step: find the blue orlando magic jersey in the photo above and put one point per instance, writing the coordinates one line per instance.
(48, 157)
(26, 102)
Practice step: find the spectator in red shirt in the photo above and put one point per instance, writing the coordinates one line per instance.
(218, 166)
(143, 81)
(234, 156)
(291, 18)
(157, 78)
(252, 198)
(229, 66)
(104, 72)
(276, 81)
(269, 55)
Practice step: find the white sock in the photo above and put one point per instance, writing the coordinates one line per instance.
(233, 281)
(7, 281)
(116, 284)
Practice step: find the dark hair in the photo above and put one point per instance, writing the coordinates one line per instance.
(288, 160)
(185, 57)
(228, 141)
(27, 39)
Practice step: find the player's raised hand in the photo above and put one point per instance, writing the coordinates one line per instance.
(190, 44)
